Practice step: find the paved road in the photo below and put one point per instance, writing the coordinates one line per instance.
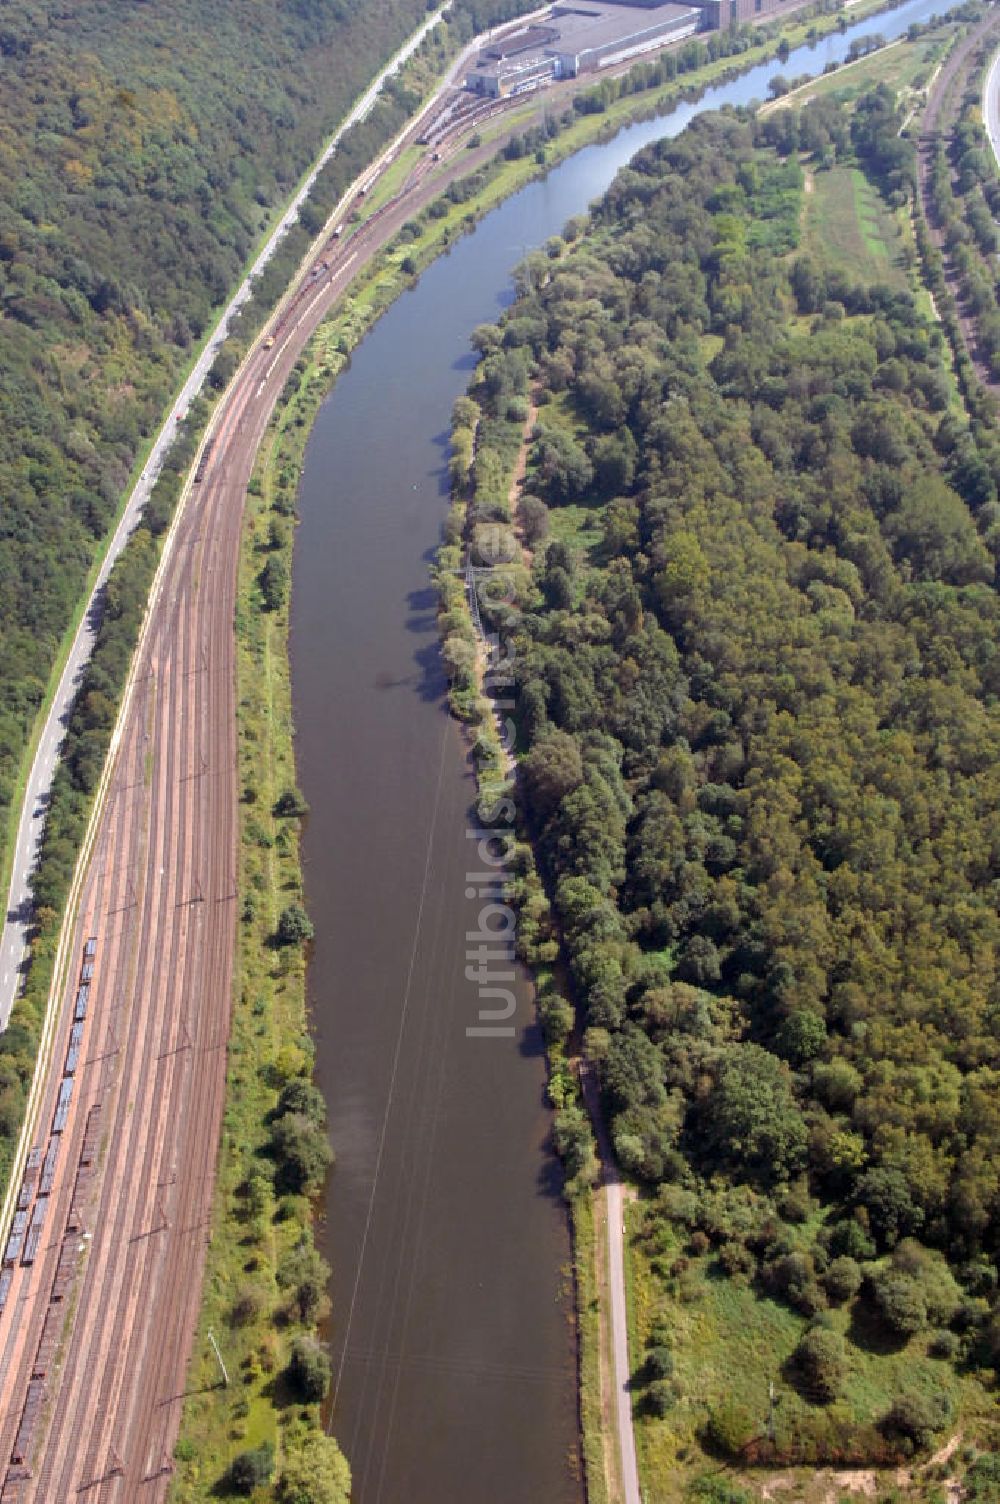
(619, 1338)
(13, 939)
(991, 106)
(616, 1305)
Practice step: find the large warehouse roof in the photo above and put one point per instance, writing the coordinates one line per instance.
(586, 26)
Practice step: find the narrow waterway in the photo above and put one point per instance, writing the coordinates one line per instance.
(452, 1334)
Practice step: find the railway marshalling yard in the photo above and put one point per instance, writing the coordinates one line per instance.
(98, 1316)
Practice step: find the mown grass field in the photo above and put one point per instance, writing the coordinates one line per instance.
(847, 225)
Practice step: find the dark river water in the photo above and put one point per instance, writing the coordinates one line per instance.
(452, 1333)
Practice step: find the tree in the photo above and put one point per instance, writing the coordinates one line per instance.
(660, 1362)
(302, 1152)
(273, 580)
(315, 1473)
(305, 1274)
(534, 515)
(802, 1037)
(294, 926)
(550, 771)
(886, 1196)
(750, 1119)
(563, 471)
(249, 1469)
(309, 1369)
(290, 802)
(303, 1096)
(660, 1398)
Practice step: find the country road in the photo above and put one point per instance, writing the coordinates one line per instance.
(14, 935)
(614, 1296)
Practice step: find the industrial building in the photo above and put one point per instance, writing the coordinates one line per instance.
(718, 14)
(577, 38)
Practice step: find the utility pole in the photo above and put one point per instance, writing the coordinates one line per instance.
(215, 1349)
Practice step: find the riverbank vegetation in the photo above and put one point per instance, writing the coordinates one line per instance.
(753, 582)
(265, 1282)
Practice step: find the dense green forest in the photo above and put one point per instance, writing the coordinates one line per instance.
(755, 640)
(143, 148)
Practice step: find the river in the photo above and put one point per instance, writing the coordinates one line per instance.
(452, 1334)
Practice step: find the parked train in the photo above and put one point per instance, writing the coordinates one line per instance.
(39, 1175)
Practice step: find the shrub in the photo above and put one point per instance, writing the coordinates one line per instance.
(793, 1278)
(850, 1238)
(737, 1260)
(822, 1364)
(943, 1344)
(842, 1280)
(250, 1300)
(982, 1481)
(899, 1301)
(730, 1428)
(916, 1417)
(711, 1489)
(795, 1205)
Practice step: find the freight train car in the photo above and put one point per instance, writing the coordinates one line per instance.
(48, 1175)
(62, 1105)
(34, 1234)
(30, 1176)
(16, 1240)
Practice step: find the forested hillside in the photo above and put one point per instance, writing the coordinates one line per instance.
(755, 639)
(141, 148)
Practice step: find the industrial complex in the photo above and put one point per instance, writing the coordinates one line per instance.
(584, 36)
(574, 39)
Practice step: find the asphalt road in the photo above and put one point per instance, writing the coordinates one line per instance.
(14, 936)
(991, 106)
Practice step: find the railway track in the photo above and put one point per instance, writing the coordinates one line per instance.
(936, 127)
(96, 1329)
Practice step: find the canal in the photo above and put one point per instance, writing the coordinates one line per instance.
(453, 1340)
